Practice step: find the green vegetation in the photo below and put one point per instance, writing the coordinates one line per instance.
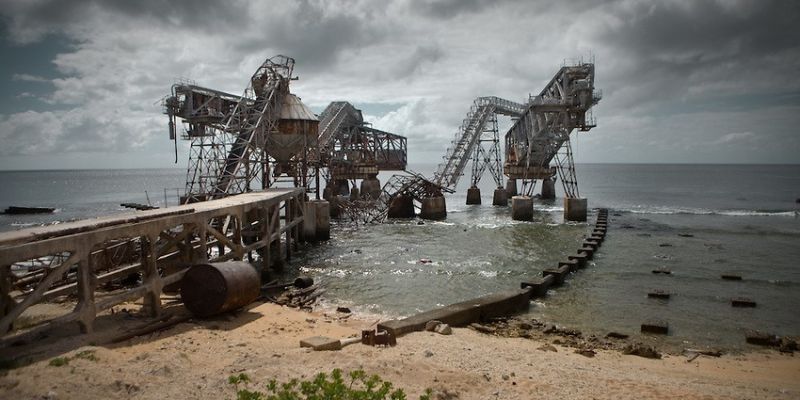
(84, 355)
(59, 362)
(333, 387)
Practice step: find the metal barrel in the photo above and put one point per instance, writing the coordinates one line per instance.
(209, 289)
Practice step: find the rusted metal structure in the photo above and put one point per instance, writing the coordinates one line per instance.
(240, 141)
(155, 247)
(350, 149)
(542, 134)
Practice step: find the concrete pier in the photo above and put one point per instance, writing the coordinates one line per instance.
(317, 221)
(371, 188)
(548, 189)
(355, 194)
(433, 208)
(500, 197)
(511, 187)
(521, 208)
(575, 209)
(342, 187)
(402, 206)
(473, 195)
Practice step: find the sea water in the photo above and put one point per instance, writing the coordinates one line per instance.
(699, 221)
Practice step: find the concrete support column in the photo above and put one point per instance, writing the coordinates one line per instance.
(310, 222)
(433, 208)
(342, 187)
(334, 206)
(522, 208)
(322, 219)
(500, 197)
(511, 187)
(402, 206)
(355, 194)
(575, 209)
(328, 193)
(548, 189)
(473, 195)
(371, 188)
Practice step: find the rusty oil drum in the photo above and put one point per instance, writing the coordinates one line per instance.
(209, 289)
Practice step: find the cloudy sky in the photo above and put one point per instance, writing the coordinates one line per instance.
(683, 81)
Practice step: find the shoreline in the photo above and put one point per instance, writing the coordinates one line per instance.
(194, 360)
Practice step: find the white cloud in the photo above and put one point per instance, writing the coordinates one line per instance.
(736, 137)
(432, 58)
(28, 78)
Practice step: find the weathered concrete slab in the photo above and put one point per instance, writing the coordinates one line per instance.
(742, 302)
(580, 258)
(321, 343)
(655, 326)
(572, 264)
(588, 250)
(559, 274)
(464, 313)
(538, 286)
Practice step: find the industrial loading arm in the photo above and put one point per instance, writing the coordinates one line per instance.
(468, 138)
(541, 134)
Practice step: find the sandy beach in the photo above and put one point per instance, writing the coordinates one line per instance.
(195, 358)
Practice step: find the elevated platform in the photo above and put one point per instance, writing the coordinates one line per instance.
(42, 263)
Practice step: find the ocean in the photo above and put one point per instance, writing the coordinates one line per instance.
(699, 221)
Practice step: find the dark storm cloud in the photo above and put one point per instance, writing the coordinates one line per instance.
(31, 19)
(315, 33)
(713, 48)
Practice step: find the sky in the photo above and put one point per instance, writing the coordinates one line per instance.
(692, 81)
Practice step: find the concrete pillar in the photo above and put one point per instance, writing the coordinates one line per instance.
(342, 187)
(323, 219)
(500, 197)
(511, 187)
(522, 208)
(310, 222)
(575, 209)
(328, 193)
(371, 187)
(334, 206)
(355, 194)
(548, 189)
(402, 206)
(473, 195)
(433, 208)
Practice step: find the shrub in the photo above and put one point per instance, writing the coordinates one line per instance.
(333, 387)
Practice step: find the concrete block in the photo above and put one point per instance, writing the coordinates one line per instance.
(433, 208)
(588, 250)
(731, 277)
(655, 326)
(572, 264)
(663, 271)
(658, 294)
(473, 196)
(511, 187)
(522, 208)
(575, 209)
(593, 244)
(402, 206)
(538, 286)
(321, 343)
(761, 338)
(464, 313)
(580, 258)
(742, 302)
(559, 274)
(500, 197)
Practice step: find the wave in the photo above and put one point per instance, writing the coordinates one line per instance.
(705, 211)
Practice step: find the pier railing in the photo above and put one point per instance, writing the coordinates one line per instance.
(81, 258)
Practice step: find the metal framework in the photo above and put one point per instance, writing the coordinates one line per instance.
(79, 257)
(483, 158)
(463, 147)
(351, 149)
(538, 136)
(230, 134)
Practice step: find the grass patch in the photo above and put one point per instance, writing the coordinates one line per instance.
(359, 386)
(59, 362)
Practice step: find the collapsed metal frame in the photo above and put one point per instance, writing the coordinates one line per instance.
(169, 242)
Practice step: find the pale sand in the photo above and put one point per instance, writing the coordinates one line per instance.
(194, 360)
